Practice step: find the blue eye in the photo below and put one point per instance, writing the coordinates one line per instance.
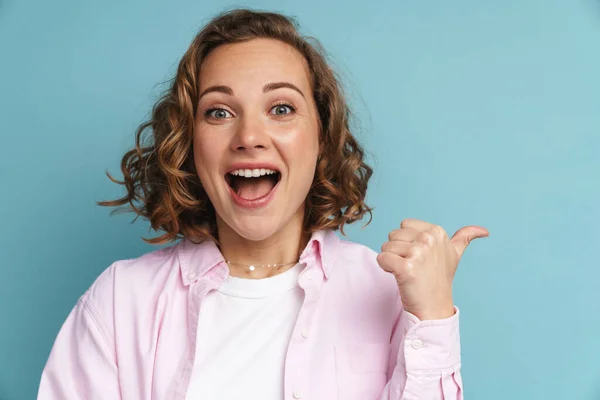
(217, 113)
(282, 109)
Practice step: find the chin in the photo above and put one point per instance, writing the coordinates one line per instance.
(256, 229)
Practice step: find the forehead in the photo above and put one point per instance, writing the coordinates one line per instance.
(256, 61)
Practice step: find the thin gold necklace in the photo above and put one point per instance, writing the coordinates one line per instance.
(252, 267)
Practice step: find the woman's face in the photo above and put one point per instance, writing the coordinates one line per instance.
(256, 136)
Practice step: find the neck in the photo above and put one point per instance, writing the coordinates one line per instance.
(283, 247)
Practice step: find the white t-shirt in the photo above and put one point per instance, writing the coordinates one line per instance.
(244, 329)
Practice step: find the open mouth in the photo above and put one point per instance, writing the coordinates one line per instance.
(252, 184)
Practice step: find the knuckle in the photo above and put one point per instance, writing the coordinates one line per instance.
(426, 238)
(414, 252)
(384, 261)
(383, 256)
(439, 231)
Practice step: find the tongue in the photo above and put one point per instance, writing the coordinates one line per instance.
(254, 188)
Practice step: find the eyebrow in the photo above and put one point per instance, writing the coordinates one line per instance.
(217, 88)
(267, 88)
(278, 85)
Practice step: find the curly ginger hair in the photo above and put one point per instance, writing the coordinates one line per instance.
(159, 175)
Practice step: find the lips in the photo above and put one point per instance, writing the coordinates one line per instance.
(250, 185)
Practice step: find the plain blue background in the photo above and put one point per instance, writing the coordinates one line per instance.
(476, 112)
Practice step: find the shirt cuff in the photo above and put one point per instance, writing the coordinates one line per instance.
(430, 345)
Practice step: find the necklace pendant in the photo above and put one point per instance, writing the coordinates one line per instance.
(251, 267)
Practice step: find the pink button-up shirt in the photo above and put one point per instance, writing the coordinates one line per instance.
(132, 335)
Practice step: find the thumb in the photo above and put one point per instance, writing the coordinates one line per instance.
(465, 235)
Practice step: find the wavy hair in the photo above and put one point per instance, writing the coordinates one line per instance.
(159, 175)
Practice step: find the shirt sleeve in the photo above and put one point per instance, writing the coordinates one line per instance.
(82, 363)
(428, 360)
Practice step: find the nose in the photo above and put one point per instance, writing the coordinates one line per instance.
(250, 136)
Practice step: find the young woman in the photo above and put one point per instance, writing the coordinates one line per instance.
(250, 169)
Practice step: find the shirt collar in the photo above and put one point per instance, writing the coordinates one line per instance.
(322, 245)
(196, 259)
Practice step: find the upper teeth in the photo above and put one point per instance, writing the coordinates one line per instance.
(252, 173)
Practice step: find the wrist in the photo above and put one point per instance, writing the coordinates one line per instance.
(433, 314)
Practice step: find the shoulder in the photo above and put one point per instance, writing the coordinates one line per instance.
(353, 249)
(138, 271)
(130, 284)
(356, 263)
(359, 257)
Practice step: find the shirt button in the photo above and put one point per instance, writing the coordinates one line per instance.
(297, 394)
(417, 344)
(191, 276)
(308, 275)
(304, 333)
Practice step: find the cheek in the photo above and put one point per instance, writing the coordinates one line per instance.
(312, 149)
(199, 158)
(301, 142)
(206, 155)
(301, 152)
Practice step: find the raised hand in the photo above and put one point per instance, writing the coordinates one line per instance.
(424, 260)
